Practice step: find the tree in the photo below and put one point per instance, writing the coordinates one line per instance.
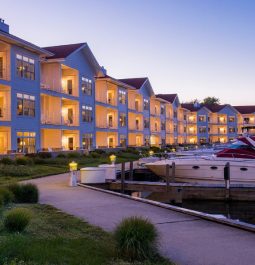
(211, 100)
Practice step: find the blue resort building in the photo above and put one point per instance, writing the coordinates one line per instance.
(60, 98)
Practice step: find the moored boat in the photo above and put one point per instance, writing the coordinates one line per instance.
(210, 169)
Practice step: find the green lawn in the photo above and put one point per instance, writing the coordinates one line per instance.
(54, 237)
(51, 166)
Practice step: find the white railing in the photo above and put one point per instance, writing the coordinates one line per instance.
(51, 118)
(56, 86)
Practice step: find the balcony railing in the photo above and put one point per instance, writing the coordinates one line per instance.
(106, 125)
(51, 119)
(56, 87)
(3, 74)
(5, 114)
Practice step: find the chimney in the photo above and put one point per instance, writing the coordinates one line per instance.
(104, 70)
(4, 27)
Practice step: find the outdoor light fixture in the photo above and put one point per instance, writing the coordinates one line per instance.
(151, 153)
(113, 158)
(73, 166)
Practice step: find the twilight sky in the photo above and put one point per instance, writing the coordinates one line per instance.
(195, 48)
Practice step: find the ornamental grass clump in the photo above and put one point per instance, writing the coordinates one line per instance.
(6, 196)
(17, 219)
(25, 193)
(136, 239)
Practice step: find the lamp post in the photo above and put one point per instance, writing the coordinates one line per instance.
(73, 177)
(113, 159)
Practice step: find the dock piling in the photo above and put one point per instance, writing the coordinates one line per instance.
(173, 171)
(131, 169)
(167, 177)
(123, 177)
(227, 180)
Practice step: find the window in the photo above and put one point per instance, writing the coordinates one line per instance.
(163, 141)
(162, 109)
(122, 96)
(123, 140)
(246, 120)
(87, 141)
(231, 118)
(175, 113)
(1, 67)
(202, 140)
(202, 118)
(175, 128)
(87, 114)
(185, 117)
(26, 142)
(86, 86)
(202, 129)
(146, 104)
(123, 120)
(163, 125)
(231, 129)
(25, 105)
(25, 67)
(146, 123)
(146, 140)
(184, 129)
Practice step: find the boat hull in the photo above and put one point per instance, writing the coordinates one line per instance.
(203, 171)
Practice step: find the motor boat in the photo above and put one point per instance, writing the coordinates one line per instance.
(210, 169)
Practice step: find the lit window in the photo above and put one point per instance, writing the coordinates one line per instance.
(25, 105)
(25, 67)
(122, 96)
(86, 86)
(87, 114)
(26, 142)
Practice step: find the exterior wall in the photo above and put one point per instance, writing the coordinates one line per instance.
(59, 122)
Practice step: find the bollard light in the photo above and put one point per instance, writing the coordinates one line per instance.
(113, 158)
(151, 153)
(73, 166)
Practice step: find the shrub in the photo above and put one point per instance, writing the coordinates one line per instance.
(74, 155)
(7, 161)
(17, 219)
(25, 193)
(44, 155)
(136, 238)
(39, 161)
(15, 171)
(100, 151)
(95, 155)
(6, 196)
(23, 161)
(61, 155)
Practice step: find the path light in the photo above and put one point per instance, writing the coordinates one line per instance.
(151, 153)
(73, 178)
(113, 159)
(73, 166)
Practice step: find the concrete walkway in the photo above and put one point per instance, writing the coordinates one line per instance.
(185, 239)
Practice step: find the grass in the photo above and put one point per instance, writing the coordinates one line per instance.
(51, 166)
(56, 238)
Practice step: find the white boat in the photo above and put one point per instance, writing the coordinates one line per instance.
(210, 169)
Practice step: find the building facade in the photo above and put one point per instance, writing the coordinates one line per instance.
(60, 98)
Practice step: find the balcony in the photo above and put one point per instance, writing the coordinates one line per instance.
(59, 78)
(106, 118)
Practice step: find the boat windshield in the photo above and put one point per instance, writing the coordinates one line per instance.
(240, 145)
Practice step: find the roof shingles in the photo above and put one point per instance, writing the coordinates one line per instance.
(63, 51)
(134, 82)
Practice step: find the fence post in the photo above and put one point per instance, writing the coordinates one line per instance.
(131, 167)
(227, 180)
(122, 177)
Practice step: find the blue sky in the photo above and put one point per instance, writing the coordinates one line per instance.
(195, 48)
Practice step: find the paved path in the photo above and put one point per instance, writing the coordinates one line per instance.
(185, 239)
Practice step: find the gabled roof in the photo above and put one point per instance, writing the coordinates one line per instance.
(245, 109)
(191, 106)
(215, 107)
(115, 81)
(62, 51)
(134, 82)
(9, 38)
(168, 97)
